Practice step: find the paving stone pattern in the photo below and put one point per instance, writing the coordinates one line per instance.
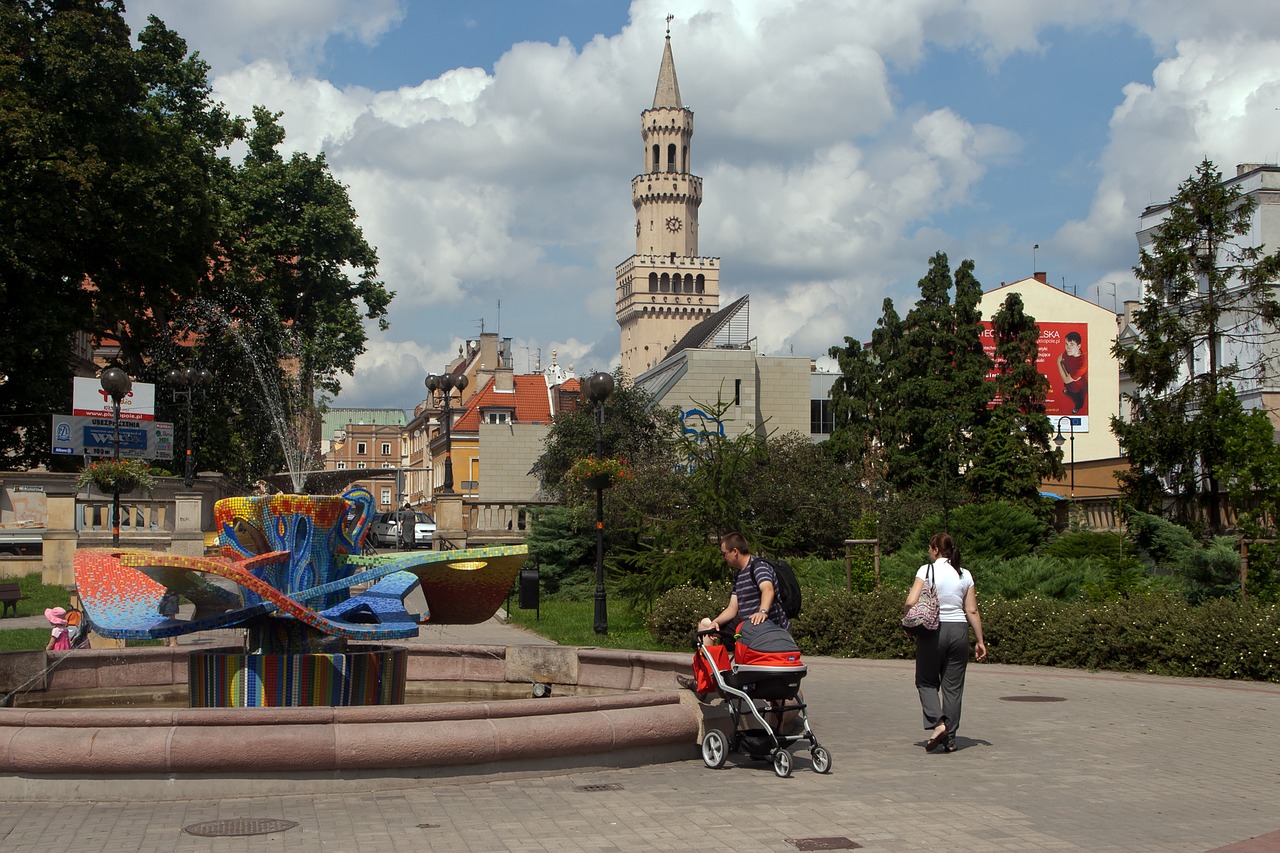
(1125, 763)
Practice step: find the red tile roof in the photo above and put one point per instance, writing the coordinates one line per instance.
(530, 401)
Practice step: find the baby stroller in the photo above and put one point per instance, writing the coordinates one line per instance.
(759, 683)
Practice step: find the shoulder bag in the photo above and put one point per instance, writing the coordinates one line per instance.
(923, 615)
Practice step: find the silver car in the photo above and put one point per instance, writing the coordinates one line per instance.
(385, 530)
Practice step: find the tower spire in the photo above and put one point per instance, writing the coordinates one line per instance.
(667, 94)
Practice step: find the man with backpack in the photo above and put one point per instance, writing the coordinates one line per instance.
(755, 589)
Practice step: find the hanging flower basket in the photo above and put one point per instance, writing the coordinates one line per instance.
(110, 476)
(597, 473)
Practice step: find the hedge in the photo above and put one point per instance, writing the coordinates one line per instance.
(1152, 631)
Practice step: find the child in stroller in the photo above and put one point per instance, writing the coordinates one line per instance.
(760, 685)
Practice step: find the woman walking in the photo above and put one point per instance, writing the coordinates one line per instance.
(942, 655)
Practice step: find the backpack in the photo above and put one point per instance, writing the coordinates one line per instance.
(788, 587)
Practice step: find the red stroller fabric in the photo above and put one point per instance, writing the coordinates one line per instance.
(765, 644)
(702, 674)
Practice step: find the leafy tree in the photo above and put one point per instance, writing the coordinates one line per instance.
(293, 266)
(633, 429)
(1209, 297)
(107, 163)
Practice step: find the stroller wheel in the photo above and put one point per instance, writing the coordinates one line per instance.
(821, 759)
(714, 749)
(782, 763)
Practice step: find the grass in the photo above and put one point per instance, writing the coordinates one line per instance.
(572, 623)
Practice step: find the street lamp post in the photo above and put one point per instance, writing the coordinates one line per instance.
(117, 384)
(443, 385)
(595, 389)
(1059, 441)
(187, 382)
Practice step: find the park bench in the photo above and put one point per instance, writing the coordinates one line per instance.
(10, 595)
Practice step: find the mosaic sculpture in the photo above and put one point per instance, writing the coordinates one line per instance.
(285, 576)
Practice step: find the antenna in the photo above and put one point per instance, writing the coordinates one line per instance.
(1033, 258)
(499, 325)
(481, 322)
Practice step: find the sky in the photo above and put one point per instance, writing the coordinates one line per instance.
(488, 147)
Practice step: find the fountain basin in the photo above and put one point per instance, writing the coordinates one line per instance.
(117, 753)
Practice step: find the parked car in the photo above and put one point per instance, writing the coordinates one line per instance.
(385, 530)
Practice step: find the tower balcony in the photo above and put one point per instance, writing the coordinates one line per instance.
(666, 186)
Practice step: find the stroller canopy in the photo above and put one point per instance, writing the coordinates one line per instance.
(765, 637)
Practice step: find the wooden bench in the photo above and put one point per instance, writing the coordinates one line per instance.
(10, 595)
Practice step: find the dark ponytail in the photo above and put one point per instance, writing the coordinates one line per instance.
(946, 547)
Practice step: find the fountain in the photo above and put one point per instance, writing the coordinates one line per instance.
(285, 578)
(297, 697)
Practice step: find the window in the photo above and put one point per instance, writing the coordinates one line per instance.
(497, 417)
(342, 466)
(361, 466)
(387, 465)
(822, 419)
(386, 497)
(671, 157)
(386, 448)
(361, 448)
(737, 392)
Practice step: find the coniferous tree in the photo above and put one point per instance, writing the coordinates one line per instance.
(1207, 324)
(917, 396)
(1014, 454)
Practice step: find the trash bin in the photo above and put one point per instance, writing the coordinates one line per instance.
(529, 589)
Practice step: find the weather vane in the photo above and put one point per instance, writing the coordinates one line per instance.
(670, 18)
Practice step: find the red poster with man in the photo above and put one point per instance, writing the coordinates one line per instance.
(1063, 357)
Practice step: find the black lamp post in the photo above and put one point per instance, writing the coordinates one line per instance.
(117, 384)
(185, 383)
(442, 386)
(1059, 441)
(595, 390)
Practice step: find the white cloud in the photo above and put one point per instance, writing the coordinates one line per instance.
(823, 192)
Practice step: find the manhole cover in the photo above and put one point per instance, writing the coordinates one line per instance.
(837, 842)
(238, 826)
(593, 788)
(1033, 698)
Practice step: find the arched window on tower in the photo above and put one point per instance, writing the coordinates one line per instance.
(684, 159)
(701, 286)
(666, 283)
(677, 283)
(655, 167)
(653, 282)
(671, 157)
(688, 284)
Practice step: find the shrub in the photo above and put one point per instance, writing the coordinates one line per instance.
(994, 529)
(1085, 544)
(673, 621)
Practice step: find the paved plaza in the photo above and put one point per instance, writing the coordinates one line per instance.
(1111, 762)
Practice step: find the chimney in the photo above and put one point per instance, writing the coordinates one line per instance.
(1042, 277)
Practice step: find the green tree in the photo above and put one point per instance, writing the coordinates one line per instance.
(633, 429)
(1012, 449)
(293, 267)
(914, 402)
(1208, 297)
(108, 156)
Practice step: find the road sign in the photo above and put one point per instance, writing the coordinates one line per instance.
(75, 435)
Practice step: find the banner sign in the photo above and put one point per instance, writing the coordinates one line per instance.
(75, 435)
(88, 400)
(1062, 357)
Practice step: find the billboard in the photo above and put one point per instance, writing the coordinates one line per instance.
(90, 401)
(75, 435)
(1062, 356)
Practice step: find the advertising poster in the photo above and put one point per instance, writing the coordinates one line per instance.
(1063, 358)
(88, 400)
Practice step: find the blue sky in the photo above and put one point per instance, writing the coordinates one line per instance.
(489, 146)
